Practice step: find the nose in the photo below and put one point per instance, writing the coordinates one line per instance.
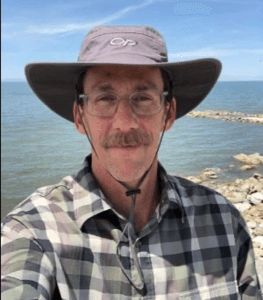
(125, 118)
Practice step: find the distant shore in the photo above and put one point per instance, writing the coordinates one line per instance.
(228, 116)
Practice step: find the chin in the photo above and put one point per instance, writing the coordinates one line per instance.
(128, 172)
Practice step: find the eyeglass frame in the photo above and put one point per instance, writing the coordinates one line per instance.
(163, 97)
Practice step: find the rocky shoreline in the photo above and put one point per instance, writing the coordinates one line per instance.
(228, 116)
(246, 195)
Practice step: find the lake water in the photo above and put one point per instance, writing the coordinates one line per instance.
(39, 148)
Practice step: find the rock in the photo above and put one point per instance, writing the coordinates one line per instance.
(251, 224)
(253, 159)
(213, 170)
(255, 198)
(203, 177)
(237, 197)
(231, 188)
(258, 239)
(248, 167)
(245, 187)
(256, 245)
(242, 206)
(258, 231)
(252, 185)
(258, 176)
(209, 173)
(221, 190)
(194, 179)
(258, 252)
(227, 116)
(252, 181)
(238, 181)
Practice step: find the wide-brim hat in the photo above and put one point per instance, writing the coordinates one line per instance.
(55, 83)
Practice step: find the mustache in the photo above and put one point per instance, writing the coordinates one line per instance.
(130, 139)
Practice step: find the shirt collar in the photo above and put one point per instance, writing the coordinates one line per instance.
(89, 200)
(170, 196)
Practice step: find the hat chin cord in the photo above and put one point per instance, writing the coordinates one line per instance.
(136, 276)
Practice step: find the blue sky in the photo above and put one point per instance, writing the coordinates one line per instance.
(52, 31)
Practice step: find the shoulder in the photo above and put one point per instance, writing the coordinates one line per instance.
(44, 205)
(206, 208)
(202, 198)
(188, 189)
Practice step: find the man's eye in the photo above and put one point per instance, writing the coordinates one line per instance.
(142, 98)
(106, 98)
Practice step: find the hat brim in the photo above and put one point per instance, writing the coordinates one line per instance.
(55, 83)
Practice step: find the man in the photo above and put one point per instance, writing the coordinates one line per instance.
(122, 228)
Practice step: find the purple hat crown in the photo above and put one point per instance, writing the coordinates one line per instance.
(124, 45)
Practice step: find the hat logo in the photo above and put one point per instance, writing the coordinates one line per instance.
(122, 42)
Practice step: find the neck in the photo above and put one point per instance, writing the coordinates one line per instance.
(146, 202)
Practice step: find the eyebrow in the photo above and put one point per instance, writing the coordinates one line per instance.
(138, 87)
(104, 88)
(145, 87)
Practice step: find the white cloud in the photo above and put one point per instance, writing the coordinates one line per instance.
(75, 27)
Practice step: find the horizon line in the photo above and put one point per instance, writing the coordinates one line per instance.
(230, 80)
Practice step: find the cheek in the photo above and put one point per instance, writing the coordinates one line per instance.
(154, 128)
(98, 130)
(158, 124)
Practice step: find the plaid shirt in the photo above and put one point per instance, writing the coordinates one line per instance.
(61, 243)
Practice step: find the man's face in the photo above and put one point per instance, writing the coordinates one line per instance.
(125, 142)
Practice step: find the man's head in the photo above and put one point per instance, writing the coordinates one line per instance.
(123, 60)
(127, 139)
(55, 83)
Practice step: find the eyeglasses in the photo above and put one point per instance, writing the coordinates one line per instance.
(106, 104)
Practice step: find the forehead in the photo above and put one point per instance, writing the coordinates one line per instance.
(123, 75)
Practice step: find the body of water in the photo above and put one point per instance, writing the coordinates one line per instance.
(39, 148)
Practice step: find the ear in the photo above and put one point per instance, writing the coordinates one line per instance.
(77, 118)
(171, 114)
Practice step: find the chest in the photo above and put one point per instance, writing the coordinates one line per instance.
(175, 261)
